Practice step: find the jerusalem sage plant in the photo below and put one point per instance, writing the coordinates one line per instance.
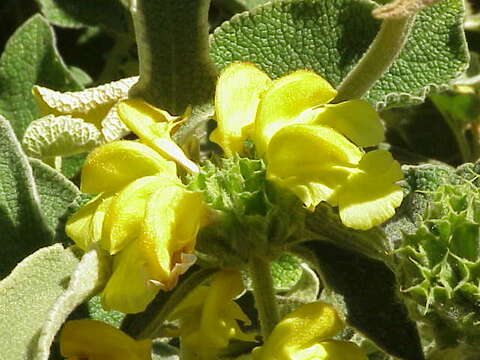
(239, 180)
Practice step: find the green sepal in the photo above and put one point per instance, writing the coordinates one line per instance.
(438, 255)
(250, 216)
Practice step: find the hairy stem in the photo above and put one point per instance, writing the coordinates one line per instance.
(375, 62)
(175, 67)
(263, 292)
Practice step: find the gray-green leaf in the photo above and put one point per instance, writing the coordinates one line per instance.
(30, 58)
(23, 227)
(57, 194)
(110, 14)
(330, 36)
(27, 295)
(89, 276)
(52, 136)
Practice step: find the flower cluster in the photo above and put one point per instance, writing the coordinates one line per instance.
(208, 316)
(144, 215)
(147, 219)
(305, 334)
(311, 147)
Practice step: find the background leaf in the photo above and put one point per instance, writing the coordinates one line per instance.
(110, 14)
(329, 37)
(23, 227)
(89, 277)
(27, 295)
(30, 58)
(368, 288)
(57, 195)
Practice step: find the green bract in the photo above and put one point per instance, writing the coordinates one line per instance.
(250, 216)
(439, 258)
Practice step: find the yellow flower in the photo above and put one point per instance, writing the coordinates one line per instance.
(153, 126)
(311, 147)
(144, 215)
(94, 340)
(305, 334)
(208, 316)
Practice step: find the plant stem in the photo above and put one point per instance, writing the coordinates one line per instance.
(376, 61)
(175, 67)
(263, 292)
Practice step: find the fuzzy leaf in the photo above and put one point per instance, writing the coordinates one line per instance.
(250, 4)
(369, 290)
(95, 311)
(23, 227)
(52, 136)
(109, 14)
(330, 36)
(30, 58)
(286, 272)
(57, 195)
(27, 295)
(305, 291)
(88, 278)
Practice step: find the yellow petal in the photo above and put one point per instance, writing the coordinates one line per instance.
(171, 223)
(219, 315)
(153, 126)
(130, 288)
(344, 350)
(301, 328)
(208, 315)
(95, 340)
(370, 197)
(124, 219)
(329, 350)
(237, 95)
(114, 165)
(285, 101)
(85, 226)
(312, 161)
(355, 119)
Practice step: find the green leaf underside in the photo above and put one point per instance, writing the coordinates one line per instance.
(110, 14)
(26, 297)
(23, 227)
(329, 37)
(30, 58)
(89, 276)
(368, 288)
(286, 272)
(97, 312)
